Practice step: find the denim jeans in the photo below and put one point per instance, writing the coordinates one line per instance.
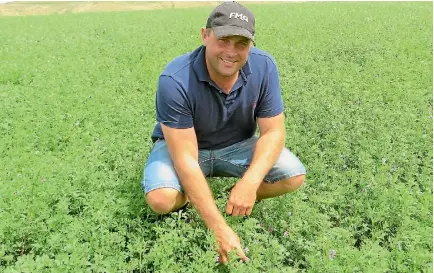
(231, 161)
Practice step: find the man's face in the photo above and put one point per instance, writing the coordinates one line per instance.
(225, 56)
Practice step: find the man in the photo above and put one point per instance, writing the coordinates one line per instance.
(208, 104)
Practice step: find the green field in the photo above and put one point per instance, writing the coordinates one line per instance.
(77, 97)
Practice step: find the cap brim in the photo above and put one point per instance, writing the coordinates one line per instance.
(224, 31)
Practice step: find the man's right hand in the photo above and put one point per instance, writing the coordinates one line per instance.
(228, 240)
(184, 152)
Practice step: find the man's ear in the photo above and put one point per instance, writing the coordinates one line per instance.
(204, 36)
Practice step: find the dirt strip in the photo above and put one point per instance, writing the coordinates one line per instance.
(45, 8)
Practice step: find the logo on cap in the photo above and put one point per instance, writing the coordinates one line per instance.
(239, 16)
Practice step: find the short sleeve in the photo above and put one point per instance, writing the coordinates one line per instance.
(173, 107)
(270, 101)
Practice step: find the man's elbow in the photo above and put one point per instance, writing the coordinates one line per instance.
(186, 165)
(276, 135)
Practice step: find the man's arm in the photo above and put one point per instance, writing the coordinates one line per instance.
(271, 122)
(183, 150)
(268, 148)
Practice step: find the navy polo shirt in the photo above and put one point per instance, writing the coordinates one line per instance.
(187, 97)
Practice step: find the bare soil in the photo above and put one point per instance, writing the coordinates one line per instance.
(45, 8)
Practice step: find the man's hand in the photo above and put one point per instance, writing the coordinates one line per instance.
(242, 199)
(228, 240)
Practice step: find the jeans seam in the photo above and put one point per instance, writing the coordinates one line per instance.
(159, 184)
(282, 176)
(208, 159)
(162, 186)
(211, 172)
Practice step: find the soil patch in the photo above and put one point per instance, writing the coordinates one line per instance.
(45, 8)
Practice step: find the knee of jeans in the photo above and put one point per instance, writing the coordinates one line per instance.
(162, 201)
(293, 183)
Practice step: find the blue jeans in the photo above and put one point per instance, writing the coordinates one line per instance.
(231, 161)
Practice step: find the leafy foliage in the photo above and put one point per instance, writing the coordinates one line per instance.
(77, 109)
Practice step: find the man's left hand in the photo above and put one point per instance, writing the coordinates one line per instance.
(241, 199)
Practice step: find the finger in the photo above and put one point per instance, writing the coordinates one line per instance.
(242, 212)
(229, 208)
(223, 259)
(245, 212)
(222, 256)
(236, 211)
(241, 254)
(249, 211)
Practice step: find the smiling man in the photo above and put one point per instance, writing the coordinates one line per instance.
(209, 103)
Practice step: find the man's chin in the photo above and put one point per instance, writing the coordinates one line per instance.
(226, 73)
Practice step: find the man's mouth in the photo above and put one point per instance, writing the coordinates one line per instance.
(227, 61)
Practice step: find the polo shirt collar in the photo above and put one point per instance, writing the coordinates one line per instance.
(199, 67)
(246, 71)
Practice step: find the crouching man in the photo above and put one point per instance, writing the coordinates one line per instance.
(209, 103)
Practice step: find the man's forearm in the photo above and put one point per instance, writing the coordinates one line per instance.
(267, 151)
(197, 190)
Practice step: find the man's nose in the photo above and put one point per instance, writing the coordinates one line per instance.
(230, 49)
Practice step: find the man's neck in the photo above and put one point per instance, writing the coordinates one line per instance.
(225, 83)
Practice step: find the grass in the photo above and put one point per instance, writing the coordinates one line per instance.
(77, 110)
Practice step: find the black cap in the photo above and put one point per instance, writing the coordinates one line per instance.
(231, 18)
